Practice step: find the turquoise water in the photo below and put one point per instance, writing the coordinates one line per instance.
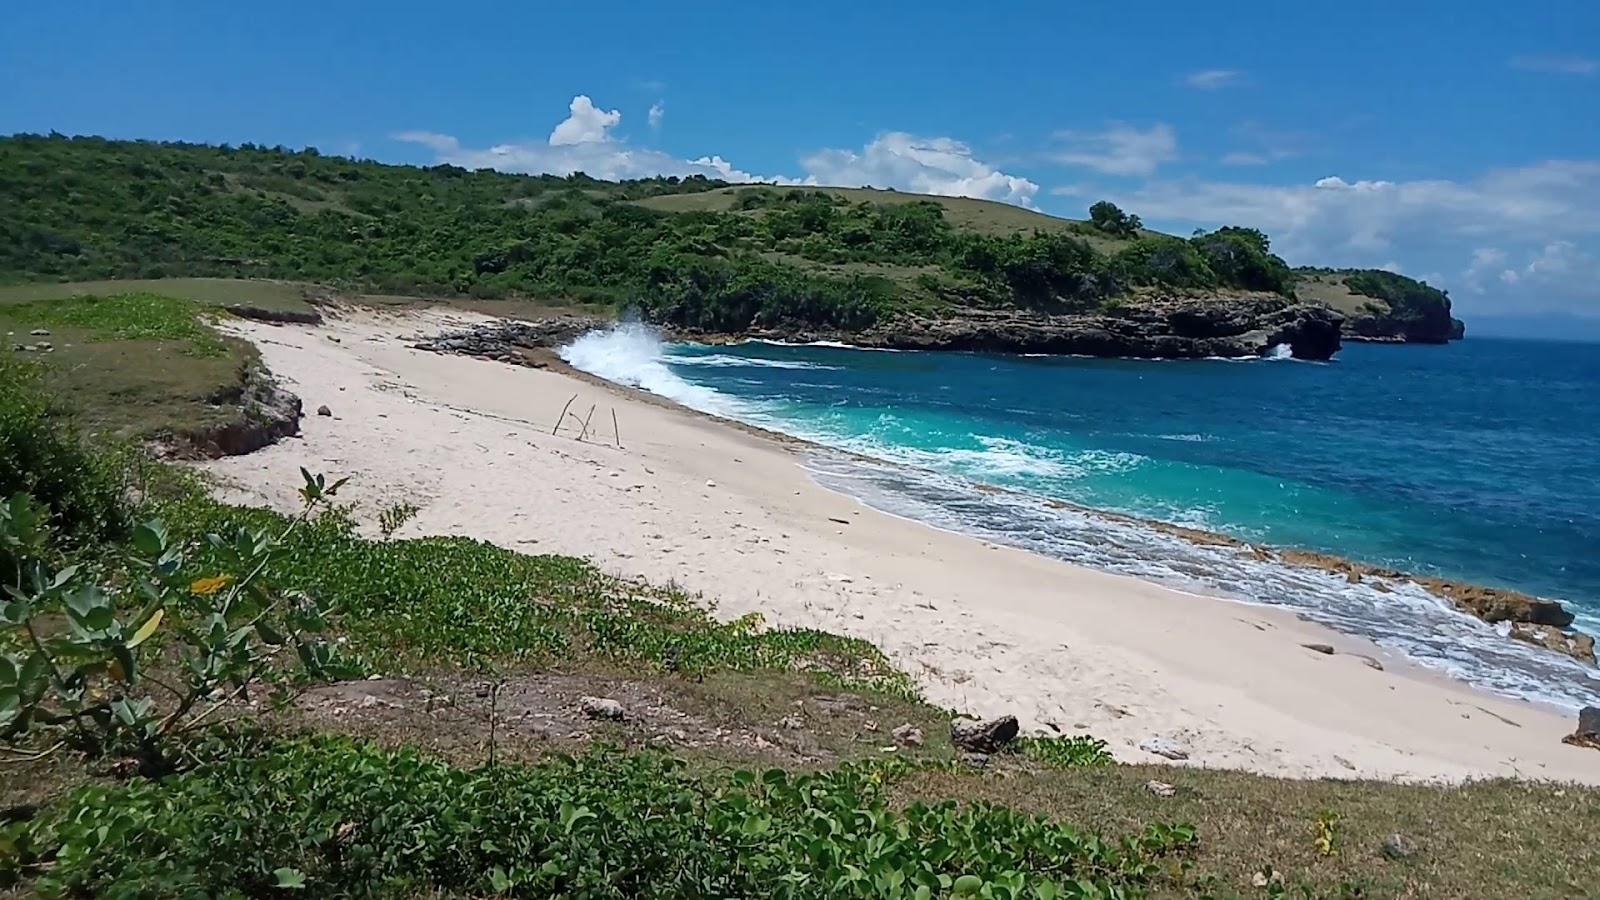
(1479, 461)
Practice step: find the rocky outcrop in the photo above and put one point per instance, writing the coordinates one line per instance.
(984, 737)
(1588, 731)
(1163, 328)
(1575, 644)
(1155, 328)
(506, 340)
(266, 414)
(1499, 604)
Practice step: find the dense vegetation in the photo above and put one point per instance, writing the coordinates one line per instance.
(88, 208)
(348, 819)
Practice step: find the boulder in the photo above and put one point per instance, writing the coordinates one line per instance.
(601, 708)
(323, 410)
(1575, 644)
(1498, 604)
(908, 735)
(984, 737)
(1398, 846)
(1588, 732)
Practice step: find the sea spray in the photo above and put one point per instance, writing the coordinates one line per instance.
(634, 354)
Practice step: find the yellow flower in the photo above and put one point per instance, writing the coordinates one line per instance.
(205, 587)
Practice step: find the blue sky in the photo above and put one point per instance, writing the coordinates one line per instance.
(1459, 142)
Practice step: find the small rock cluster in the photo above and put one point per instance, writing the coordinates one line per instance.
(978, 741)
(505, 341)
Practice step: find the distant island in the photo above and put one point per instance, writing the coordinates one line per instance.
(703, 258)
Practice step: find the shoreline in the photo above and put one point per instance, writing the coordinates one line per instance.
(988, 629)
(1488, 603)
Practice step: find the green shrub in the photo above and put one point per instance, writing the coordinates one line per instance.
(75, 649)
(1164, 260)
(43, 455)
(1066, 752)
(343, 818)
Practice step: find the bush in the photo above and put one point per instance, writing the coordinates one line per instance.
(1164, 260)
(1108, 217)
(337, 817)
(1240, 258)
(43, 455)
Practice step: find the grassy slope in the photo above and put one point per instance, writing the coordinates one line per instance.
(983, 216)
(133, 365)
(1329, 289)
(278, 296)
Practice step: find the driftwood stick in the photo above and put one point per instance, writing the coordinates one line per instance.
(563, 414)
(586, 419)
(616, 432)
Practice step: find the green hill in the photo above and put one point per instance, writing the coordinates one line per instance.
(692, 253)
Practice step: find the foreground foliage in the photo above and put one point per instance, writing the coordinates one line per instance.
(42, 454)
(86, 686)
(338, 817)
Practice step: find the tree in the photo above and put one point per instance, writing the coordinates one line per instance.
(1108, 217)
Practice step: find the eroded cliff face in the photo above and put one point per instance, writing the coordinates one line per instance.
(1157, 328)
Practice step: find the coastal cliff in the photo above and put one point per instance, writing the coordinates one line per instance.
(1191, 328)
(1382, 307)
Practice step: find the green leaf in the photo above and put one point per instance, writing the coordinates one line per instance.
(150, 538)
(289, 879)
(967, 884)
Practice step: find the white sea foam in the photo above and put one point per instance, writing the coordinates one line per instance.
(837, 345)
(1406, 618)
(635, 355)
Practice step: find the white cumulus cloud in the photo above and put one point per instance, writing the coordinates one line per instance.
(582, 142)
(657, 112)
(585, 125)
(937, 165)
(1120, 149)
(1535, 222)
(586, 141)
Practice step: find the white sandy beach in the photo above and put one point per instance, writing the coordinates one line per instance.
(983, 629)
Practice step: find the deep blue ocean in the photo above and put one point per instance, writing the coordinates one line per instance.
(1479, 460)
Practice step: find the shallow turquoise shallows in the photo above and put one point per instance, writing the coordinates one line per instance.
(1479, 461)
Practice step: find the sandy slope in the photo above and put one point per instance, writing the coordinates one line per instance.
(984, 629)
